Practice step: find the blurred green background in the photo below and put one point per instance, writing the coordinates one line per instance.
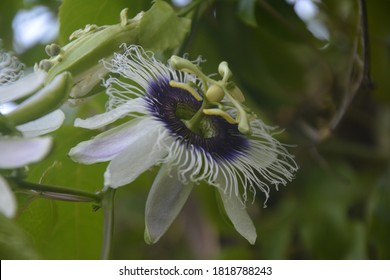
(318, 69)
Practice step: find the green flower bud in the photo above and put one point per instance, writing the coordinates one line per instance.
(45, 65)
(53, 50)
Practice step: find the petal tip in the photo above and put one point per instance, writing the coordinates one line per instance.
(8, 204)
(148, 238)
(252, 239)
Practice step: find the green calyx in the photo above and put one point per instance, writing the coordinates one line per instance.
(212, 95)
(89, 45)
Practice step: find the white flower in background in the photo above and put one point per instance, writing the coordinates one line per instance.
(16, 152)
(10, 68)
(13, 86)
(21, 149)
(194, 127)
(7, 199)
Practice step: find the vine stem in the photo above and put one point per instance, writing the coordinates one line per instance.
(59, 193)
(108, 224)
(366, 81)
(363, 82)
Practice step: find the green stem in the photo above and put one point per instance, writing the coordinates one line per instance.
(6, 128)
(59, 193)
(108, 227)
(366, 82)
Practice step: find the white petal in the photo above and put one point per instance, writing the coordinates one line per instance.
(236, 212)
(165, 201)
(7, 107)
(43, 125)
(23, 87)
(7, 200)
(110, 143)
(147, 147)
(18, 152)
(97, 121)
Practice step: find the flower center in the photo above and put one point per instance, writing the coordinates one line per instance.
(175, 107)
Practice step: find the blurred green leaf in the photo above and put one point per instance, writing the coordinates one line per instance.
(65, 230)
(380, 218)
(358, 247)
(37, 217)
(327, 231)
(246, 12)
(14, 242)
(161, 29)
(379, 34)
(8, 10)
(76, 14)
(276, 229)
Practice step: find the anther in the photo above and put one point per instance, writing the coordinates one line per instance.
(187, 88)
(218, 112)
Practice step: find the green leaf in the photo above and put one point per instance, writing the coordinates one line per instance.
(378, 22)
(8, 10)
(246, 12)
(75, 14)
(380, 218)
(275, 228)
(161, 29)
(326, 226)
(14, 243)
(65, 230)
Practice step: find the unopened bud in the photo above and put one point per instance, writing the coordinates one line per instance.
(53, 50)
(45, 65)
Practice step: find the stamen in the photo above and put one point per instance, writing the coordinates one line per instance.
(218, 112)
(182, 63)
(187, 88)
(216, 93)
(244, 126)
(243, 123)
